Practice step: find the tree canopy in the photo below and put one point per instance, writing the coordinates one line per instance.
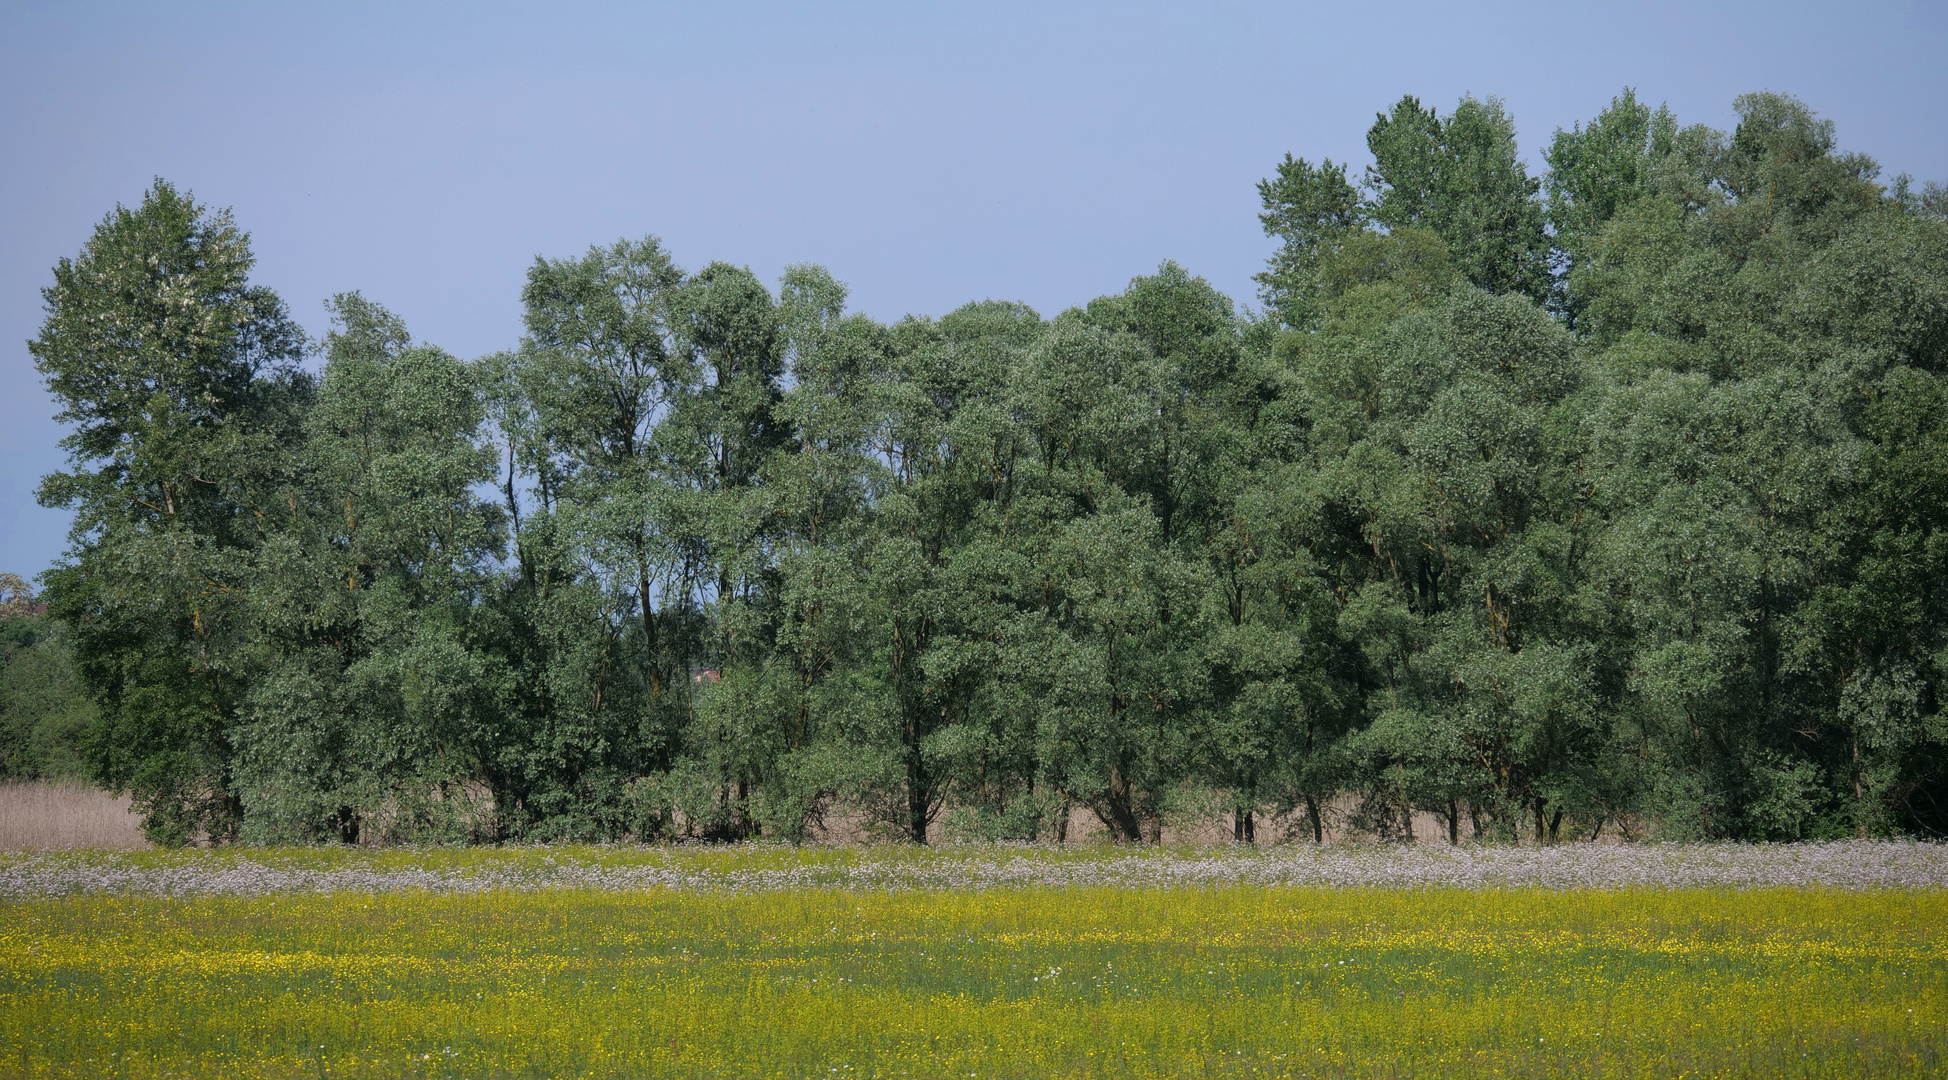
(1610, 498)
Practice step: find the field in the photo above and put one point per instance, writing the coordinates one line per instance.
(977, 962)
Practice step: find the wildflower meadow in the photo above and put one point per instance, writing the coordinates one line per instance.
(977, 962)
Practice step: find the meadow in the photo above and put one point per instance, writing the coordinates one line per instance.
(1797, 960)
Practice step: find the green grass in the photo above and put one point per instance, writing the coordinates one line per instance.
(1239, 981)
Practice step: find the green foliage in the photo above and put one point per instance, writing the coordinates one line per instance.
(1462, 178)
(44, 710)
(1444, 197)
(1606, 500)
(1629, 152)
(368, 700)
(179, 380)
(1308, 208)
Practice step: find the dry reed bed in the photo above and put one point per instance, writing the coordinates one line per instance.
(36, 815)
(1856, 865)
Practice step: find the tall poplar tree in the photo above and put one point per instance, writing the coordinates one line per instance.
(1462, 177)
(179, 379)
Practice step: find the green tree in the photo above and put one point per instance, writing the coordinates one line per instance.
(1743, 313)
(721, 435)
(1462, 178)
(1309, 209)
(180, 382)
(369, 707)
(44, 710)
(600, 620)
(1598, 171)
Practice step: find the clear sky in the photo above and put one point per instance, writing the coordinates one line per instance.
(928, 153)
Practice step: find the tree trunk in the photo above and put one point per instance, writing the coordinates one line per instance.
(1312, 815)
(1241, 827)
(1859, 792)
(1120, 816)
(649, 630)
(918, 790)
(1453, 823)
(1034, 819)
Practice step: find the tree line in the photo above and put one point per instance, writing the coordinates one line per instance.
(1615, 498)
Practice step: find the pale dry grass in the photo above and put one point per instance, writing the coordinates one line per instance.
(41, 815)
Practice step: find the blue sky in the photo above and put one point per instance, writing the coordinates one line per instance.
(928, 153)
